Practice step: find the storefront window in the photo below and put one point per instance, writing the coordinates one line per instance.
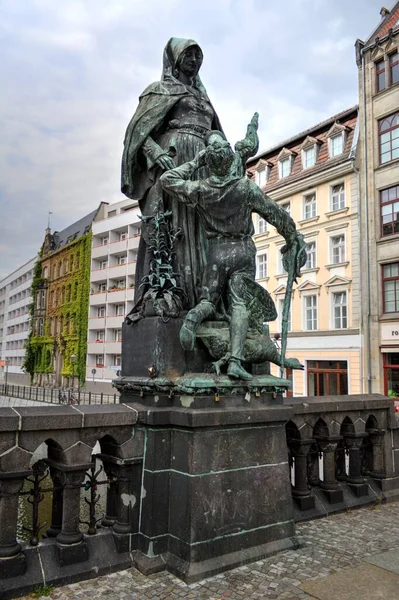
(391, 373)
(327, 377)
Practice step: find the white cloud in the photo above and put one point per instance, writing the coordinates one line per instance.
(72, 73)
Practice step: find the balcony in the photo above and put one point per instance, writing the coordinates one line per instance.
(95, 347)
(98, 275)
(98, 298)
(114, 322)
(133, 242)
(96, 323)
(118, 247)
(99, 251)
(117, 296)
(113, 347)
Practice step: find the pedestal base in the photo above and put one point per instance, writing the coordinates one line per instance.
(305, 502)
(75, 553)
(216, 491)
(334, 496)
(359, 489)
(14, 566)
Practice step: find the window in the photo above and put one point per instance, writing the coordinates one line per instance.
(280, 266)
(99, 360)
(122, 236)
(394, 68)
(102, 287)
(327, 377)
(280, 315)
(121, 284)
(117, 335)
(336, 145)
(261, 260)
(389, 202)
(338, 196)
(380, 75)
(391, 373)
(104, 241)
(262, 225)
(122, 259)
(310, 310)
(339, 307)
(100, 335)
(338, 249)
(311, 255)
(284, 167)
(389, 138)
(261, 177)
(101, 311)
(309, 206)
(287, 207)
(116, 360)
(390, 287)
(45, 272)
(41, 327)
(103, 264)
(119, 310)
(309, 157)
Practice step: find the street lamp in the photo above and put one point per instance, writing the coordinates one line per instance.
(73, 362)
(7, 362)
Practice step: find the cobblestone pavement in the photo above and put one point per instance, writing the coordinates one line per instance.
(329, 545)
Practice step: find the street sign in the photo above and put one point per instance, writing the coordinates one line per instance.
(93, 371)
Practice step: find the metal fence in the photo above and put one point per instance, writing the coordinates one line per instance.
(56, 396)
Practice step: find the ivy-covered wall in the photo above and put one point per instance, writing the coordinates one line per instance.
(65, 317)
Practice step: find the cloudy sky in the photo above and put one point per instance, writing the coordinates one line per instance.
(72, 70)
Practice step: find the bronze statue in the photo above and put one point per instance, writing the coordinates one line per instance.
(168, 129)
(225, 202)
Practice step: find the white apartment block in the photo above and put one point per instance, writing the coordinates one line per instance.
(113, 265)
(15, 299)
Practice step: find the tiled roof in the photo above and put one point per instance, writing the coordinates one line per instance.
(323, 161)
(74, 231)
(390, 21)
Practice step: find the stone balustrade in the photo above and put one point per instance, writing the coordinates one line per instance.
(342, 451)
(70, 434)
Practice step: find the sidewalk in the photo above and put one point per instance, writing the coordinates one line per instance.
(350, 556)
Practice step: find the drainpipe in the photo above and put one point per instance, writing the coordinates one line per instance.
(361, 326)
(367, 233)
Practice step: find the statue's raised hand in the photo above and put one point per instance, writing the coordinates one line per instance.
(165, 162)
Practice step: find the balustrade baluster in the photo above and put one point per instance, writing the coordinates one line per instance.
(329, 485)
(376, 437)
(301, 490)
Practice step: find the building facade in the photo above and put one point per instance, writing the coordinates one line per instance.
(57, 343)
(115, 243)
(15, 300)
(313, 176)
(378, 64)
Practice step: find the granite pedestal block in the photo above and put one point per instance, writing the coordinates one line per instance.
(216, 490)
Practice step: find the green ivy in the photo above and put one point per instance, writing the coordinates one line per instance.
(40, 349)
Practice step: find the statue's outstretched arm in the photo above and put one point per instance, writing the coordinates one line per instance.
(250, 144)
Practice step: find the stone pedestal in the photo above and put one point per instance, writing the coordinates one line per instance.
(216, 491)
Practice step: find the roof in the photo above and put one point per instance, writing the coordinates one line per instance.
(389, 21)
(320, 133)
(311, 130)
(74, 231)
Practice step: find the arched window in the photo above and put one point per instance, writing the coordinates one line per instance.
(388, 130)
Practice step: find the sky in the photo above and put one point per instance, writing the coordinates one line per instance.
(72, 71)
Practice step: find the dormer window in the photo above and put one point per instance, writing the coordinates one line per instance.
(336, 145)
(262, 171)
(337, 139)
(309, 152)
(285, 162)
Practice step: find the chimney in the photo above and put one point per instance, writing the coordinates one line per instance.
(384, 12)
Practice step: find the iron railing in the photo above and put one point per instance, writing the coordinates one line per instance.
(56, 395)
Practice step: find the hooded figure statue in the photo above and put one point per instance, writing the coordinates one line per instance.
(168, 129)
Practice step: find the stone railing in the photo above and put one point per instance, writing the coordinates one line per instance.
(342, 452)
(68, 435)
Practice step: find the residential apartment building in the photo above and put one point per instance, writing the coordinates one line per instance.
(57, 344)
(15, 301)
(314, 178)
(378, 64)
(113, 265)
